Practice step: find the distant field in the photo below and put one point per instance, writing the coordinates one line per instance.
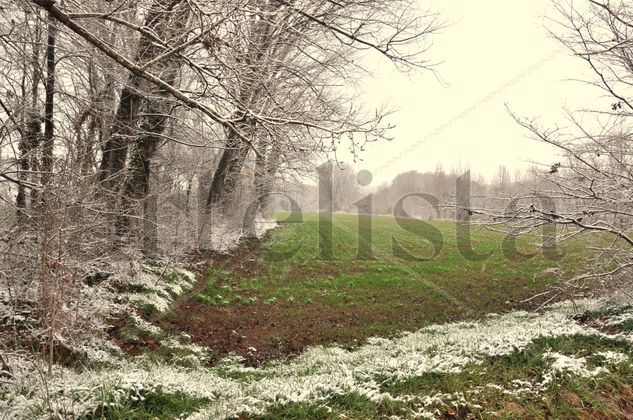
(281, 296)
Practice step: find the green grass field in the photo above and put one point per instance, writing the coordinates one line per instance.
(284, 283)
(450, 277)
(447, 286)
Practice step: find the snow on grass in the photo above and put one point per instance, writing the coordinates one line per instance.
(569, 365)
(618, 319)
(157, 287)
(94, 307)
(316, 375)
(613, 357)
(153, 287)
(187, 354)
(144, 326)
(98, 350)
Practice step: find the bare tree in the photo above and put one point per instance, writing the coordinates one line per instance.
(115, 116)
(586, 188)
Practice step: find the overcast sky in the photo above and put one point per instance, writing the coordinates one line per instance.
(495, 52)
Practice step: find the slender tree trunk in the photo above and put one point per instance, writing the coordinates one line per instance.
(49, 107)
(30, 140)
(50, 298)
(28, 146)
(150, 224)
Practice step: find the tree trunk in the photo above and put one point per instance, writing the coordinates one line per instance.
(266, 166)
(28, 146)
(115, 150)
(48, 221)
(153, 124)
(137, 186)
(49, 107)
(30, 139)
(132, 188)
(234, 155)
(150, 224)
(226, 175)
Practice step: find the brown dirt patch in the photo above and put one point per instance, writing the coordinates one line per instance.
(282, 330)
(270, 329)
(276, 331)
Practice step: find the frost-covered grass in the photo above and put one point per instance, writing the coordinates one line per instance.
(156, 287)
(113, 291)
(480, 366)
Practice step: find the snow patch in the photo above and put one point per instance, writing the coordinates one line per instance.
(318, 374)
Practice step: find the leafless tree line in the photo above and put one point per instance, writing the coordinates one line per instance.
(131, 128)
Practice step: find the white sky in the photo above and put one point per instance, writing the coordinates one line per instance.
(496, 52)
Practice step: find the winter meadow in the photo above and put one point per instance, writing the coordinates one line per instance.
(302, 209)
